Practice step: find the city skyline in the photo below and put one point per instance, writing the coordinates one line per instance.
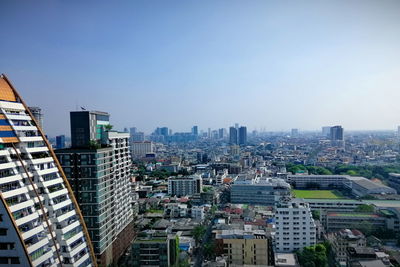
(264, 64)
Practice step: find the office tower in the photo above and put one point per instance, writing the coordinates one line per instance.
(100, 178)
(87, 127)
(195, 130)
(41, 222)
(294, 133)
(221, 133)
(164, 131)
(184, 186)
(236, 126)
(38, 115)
(242, 135)
(137, 137)
(140, 149)
(295, 227)
(326, 131)
(60, 141)
(336, 133)
(233, 136)
(398, 130)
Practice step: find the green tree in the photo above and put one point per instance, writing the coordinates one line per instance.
(365, 208)
(198, 233)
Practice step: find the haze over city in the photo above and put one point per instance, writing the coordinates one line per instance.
(264, 64)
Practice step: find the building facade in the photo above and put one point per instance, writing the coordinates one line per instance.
(295, 227)
(41, 223)
(101, 180)
(185, 186)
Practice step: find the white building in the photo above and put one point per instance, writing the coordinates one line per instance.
(295, 227)
(140, 149)
(185, 186)
(41, 224)
(198, 213)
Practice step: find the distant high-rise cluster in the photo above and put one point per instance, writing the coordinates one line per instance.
(238, 135)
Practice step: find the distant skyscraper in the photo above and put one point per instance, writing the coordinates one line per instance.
(38, 115)
(233, 136)
(294, 133)
(195, 130)
(209, 133)
(398, 131)
(137, 137)
(164, 131)
(221, 133)
(242, 135)
(132, 130)
(336, 133)
(326, 131)
(60, 141)
(41, 223)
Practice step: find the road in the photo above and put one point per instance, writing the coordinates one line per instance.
(199, 255)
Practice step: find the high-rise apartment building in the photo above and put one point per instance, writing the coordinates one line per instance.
(99, 174)
(242, 138)
(295, 227)
(233, 136)
(87, 127)
(41, 223)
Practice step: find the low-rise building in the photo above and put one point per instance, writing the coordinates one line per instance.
(256, 190)
(184, 186)
(245, 247)
(343, 239)
(198, 213)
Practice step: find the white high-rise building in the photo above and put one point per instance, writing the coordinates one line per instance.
(41, 223)
(295, 227)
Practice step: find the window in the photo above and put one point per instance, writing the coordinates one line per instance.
(3, 231)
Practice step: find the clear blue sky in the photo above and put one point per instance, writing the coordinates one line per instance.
(265, 64)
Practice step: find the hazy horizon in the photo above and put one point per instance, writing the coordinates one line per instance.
(263, 64)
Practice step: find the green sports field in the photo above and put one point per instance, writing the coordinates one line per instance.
(329, 194)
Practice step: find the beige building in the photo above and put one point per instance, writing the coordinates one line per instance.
(244, 247)
(343, 239)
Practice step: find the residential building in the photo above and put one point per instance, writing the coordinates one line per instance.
(184, 186)
(41, 223)
(100, 177)
(198, 213)
(295, 227)
(157, 249)
(88, 127)
(343, 239)
(245, 247)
